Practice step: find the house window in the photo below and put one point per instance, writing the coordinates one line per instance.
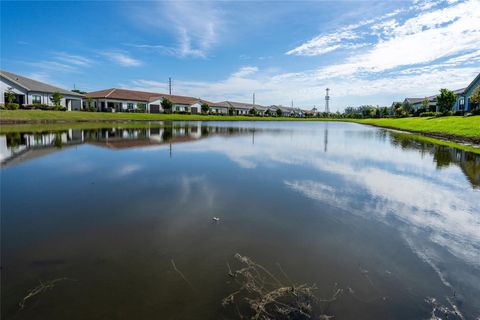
(36, 99)
(130, 105)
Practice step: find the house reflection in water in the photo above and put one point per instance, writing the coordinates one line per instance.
(17, 147)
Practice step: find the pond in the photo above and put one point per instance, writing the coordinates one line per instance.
(153, 221)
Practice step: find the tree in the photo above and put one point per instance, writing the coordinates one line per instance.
(475, 98)
(78, 91)
(205, 107)
(268, 113)
(399, 112)
(252, 111)
(445, 100)
(231, 111)
(407, 107)
(10, 95)
(426, 104)
(56, 98)
(90, 106)
(279, 112)
(384, 112)
(167, 105)
(141, 107)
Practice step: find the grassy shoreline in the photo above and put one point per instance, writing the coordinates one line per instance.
(457, 129)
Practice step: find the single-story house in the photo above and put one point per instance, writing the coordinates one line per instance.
(463, 101)
(123, 100)
(220, 107)
(240, 108)
(28, 91)
(186, 104)
(417, 103)
(287, 111)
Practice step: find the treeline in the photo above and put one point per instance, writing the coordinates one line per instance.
(441, 105)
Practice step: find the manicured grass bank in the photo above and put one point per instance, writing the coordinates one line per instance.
(47, 116)
(465, 129)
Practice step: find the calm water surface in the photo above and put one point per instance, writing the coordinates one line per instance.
(386, 217)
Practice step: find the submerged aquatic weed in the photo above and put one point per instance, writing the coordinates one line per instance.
(43, 286)
(261, 295)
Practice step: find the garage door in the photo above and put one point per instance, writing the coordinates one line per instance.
(154, 108)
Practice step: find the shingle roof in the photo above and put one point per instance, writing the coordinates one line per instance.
(134, 95)
(287, 109)
(414, 100)
(239, 105)
(434, 97)
(123, 94)
(473, 82)
(34, 85)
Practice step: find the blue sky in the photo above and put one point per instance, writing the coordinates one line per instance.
(367, 52)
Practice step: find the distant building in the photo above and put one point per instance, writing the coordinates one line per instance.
(463, 102)
(241, 108)
(28, 91)
(288, 111)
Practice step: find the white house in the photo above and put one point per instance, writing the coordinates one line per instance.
(287, 111)
(123, 100)
(28, 91)
(238, 108)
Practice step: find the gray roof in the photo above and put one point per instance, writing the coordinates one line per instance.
(287, 109)
(240, 105)
(473, 82)
(33, 85)
(434, 97)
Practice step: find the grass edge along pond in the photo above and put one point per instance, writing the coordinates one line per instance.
(466, 129)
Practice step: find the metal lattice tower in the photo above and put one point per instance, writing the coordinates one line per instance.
(327, 101)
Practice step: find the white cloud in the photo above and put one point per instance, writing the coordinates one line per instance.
(324, 43)
(126, 170)
(424, 38)
(433, 48)
(245, 71)
(122, 58)
(195, 25)
(308, 88)
(73, 59)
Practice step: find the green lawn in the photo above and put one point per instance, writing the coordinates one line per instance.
(44, 116)
(448, 127)
(456, 126)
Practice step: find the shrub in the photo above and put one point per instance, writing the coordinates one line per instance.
(58, 108)
(41, 106)
(476, 112)
(37, 106)
(417, 112)
(205, 107)
(430, 114)
(12, 106)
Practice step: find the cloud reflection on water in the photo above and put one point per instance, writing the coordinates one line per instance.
(431, 206)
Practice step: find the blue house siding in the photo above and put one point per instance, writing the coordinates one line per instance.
(458, 103)
(469, 91)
